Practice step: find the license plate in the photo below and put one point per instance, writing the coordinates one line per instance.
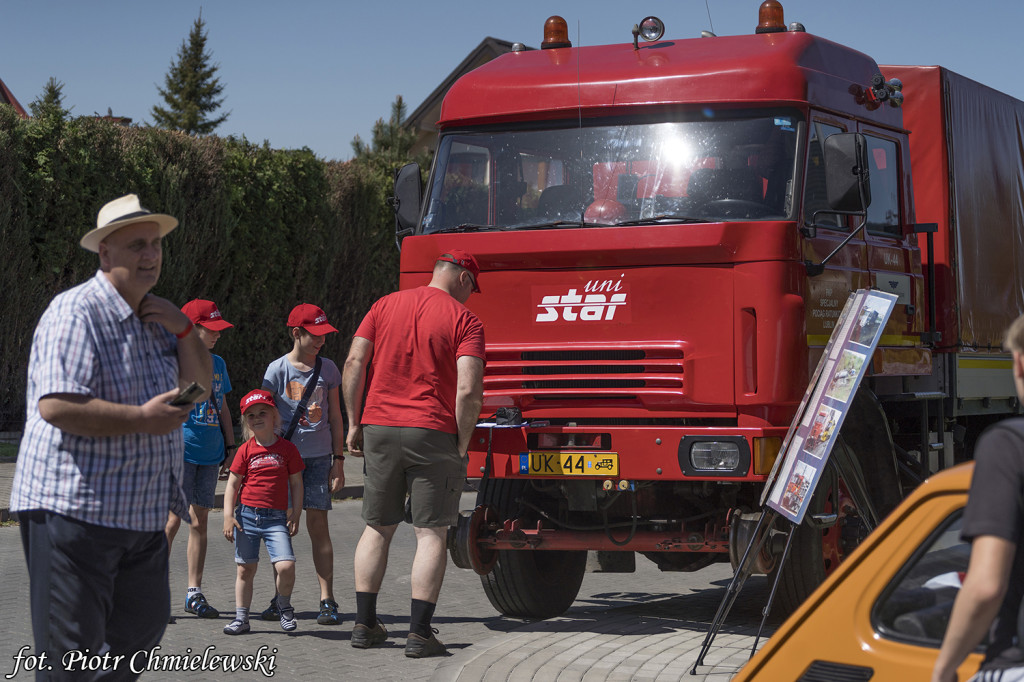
(561, 463)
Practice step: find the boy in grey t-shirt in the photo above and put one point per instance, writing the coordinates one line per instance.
(319, 435)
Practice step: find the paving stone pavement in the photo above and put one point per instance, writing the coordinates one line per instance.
(646, 625)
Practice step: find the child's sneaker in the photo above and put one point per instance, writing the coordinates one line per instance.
(197, 604)
(272, 612)
(236, 627)
(328, 613)
(288, 622)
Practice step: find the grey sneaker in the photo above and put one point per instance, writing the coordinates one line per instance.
(272, 612)
(288, 622)
(236, 627)
(421, 647)
(363, 637)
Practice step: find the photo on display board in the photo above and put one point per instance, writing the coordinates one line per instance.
(844, 380)
(869, 320)
(822, 428)
(797, 486)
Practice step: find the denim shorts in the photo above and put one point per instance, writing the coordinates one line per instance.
(200, 484)
(270, 525)
(316, 493)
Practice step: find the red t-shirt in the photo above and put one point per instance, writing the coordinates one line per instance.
(418, 336)
(265, 472)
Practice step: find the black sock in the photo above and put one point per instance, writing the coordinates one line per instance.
(419, 621)
(366, 608)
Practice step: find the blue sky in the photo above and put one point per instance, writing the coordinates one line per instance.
(313, 73)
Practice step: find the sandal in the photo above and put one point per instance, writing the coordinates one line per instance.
(197, 604)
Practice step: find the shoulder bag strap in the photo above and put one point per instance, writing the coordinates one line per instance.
(300, 409)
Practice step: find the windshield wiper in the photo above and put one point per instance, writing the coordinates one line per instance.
(468, 227)
(554, 223)
(664, 217)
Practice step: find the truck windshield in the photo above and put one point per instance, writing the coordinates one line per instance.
(716, 166)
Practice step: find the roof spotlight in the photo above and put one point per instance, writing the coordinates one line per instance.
(650, 29)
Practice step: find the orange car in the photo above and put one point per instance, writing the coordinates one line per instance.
(882, 614)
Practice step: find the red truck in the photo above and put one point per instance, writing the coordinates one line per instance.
(668, 231)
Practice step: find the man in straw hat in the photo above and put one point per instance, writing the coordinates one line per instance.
(101, 457)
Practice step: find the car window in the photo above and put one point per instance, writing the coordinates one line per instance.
(915, 606)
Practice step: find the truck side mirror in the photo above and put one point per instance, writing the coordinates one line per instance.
(407, 199)
(846, 188)
(846, 172)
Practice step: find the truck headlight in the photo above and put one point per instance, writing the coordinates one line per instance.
(715, 456)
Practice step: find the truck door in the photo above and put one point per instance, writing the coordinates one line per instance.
(893, 257)
(848, 269)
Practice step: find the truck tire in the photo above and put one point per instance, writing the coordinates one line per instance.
(867, 441)
(526, 583)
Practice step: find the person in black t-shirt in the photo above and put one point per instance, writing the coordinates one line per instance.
(992, 591)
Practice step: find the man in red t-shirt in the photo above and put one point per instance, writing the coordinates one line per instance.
(419, 358)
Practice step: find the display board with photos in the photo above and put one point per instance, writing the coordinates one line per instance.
(815, 427)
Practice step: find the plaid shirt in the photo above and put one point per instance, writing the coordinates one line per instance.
(90, 342)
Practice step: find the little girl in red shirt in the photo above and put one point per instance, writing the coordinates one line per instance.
(264, 468)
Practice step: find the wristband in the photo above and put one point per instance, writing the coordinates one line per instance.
(338, 458)
(186, 332)
(232, 446)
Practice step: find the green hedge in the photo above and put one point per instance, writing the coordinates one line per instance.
(261, 231)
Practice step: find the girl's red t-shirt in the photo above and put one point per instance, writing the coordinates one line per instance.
(265, 471)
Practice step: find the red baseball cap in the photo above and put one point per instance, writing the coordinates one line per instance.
(465, 260)
(310, 318)
(205, 313)
(257, 397)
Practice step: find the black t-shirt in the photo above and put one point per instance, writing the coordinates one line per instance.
(994, 507)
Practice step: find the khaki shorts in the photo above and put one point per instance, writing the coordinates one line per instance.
(423, 463)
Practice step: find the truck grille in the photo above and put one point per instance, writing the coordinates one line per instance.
(643, 376)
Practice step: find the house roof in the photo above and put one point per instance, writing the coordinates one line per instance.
(426, 115)
(7, 97)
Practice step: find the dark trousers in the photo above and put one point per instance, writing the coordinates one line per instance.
(94, 589)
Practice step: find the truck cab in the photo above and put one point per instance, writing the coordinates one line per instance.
(667, 233)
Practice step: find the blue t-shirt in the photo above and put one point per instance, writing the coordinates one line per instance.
(204, 442)
(313, 434)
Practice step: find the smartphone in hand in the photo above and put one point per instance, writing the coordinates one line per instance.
(188, 395)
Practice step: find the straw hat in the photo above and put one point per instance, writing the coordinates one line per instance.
(120, 213)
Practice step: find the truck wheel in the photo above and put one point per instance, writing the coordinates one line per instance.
(528, 583)
(816, 552)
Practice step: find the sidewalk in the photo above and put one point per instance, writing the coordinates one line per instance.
(642, 626)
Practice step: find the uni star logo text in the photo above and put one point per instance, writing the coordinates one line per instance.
(598, 302)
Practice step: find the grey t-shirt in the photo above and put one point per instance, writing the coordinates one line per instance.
(313, 434)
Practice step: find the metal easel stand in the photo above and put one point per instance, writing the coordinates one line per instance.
(743, 572)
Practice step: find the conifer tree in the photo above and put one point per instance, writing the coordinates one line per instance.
(191, 89)
(51, 100)
(391, 143)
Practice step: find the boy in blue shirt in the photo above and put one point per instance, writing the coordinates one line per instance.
(209, 436)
